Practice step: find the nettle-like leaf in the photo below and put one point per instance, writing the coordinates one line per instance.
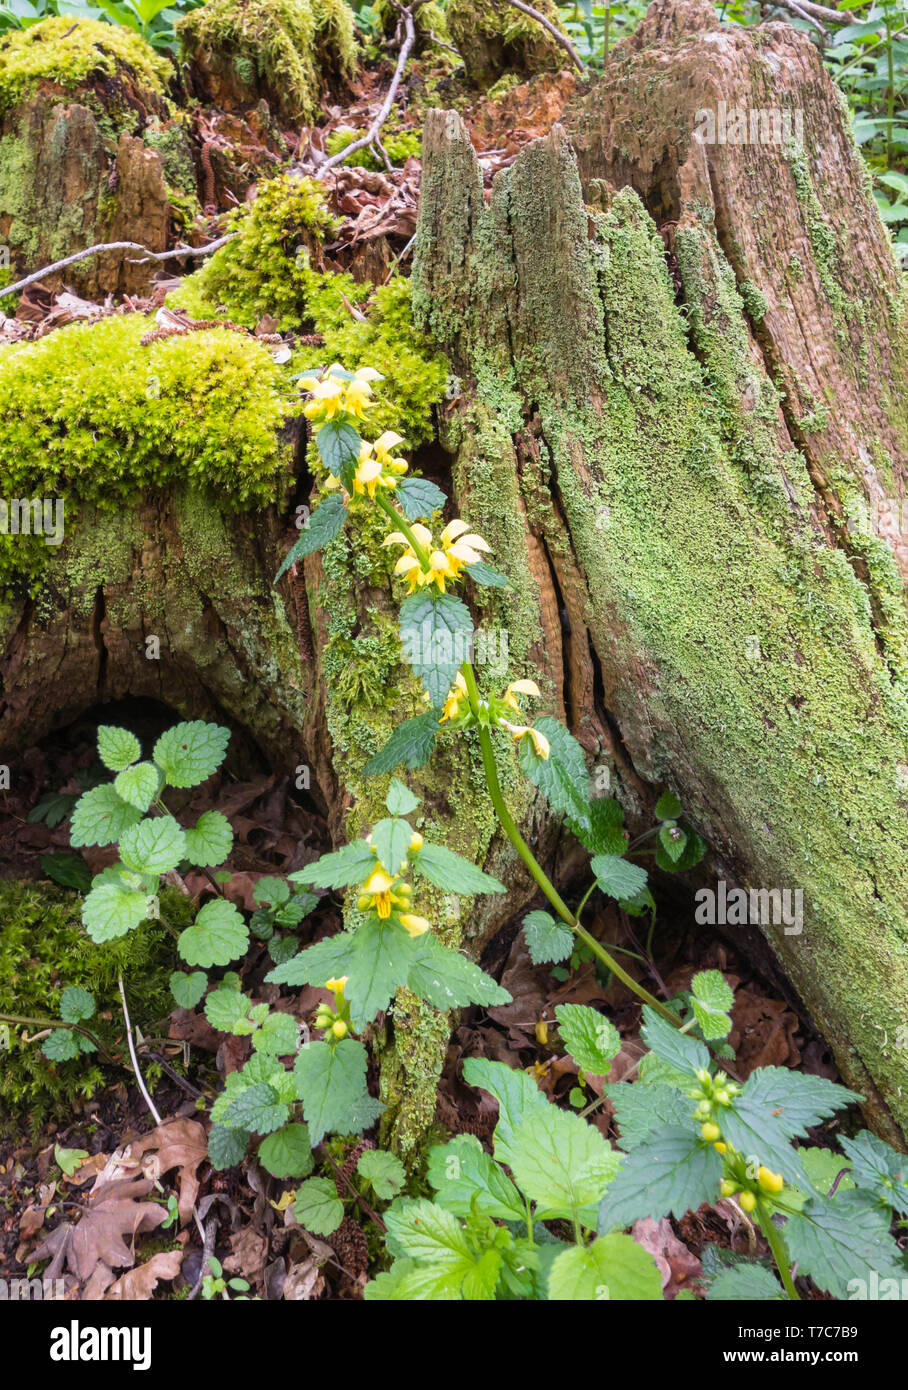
(322, 526)
(484, 574)
(190, 753)
(376, 957)
(562, 777)
(875, 1166)
(614, 1268)
(257, 1108)
(61, 1045)
(617, 877)
(683, 1053)
(138, 785)
(462, 1174)
(154, 846)
(339, 445)
(391, 839)
(111, 910)
(561, 1163)
(217, 936)
(745, 1283)
(76, 1004)
(117, 748)
(419, 498)
(775, 1106)
(451, 871)
(226, 1146)
(331, 1083)
(447, 979)
(384, 1171)
(674, 1171)
(278, 1035)
(287, 1153)
(517, 1095)
(100, 817)
(400, 801)
(590, 1039)
(693, 849)
(187, 990)
(711, 999)
(411, 744)
(225, 1008)
(317, 1207)
(843, 1239)
(605, 833)
(673, 841)
(350, 864)
(436, 632)
(546, 938)
(640, 1109)
(211, 840)
(430, 1235)
(668, 807)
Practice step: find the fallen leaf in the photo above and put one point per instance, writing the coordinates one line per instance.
(140, 1283)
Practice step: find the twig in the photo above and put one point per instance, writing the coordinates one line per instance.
(208, 1234)
(51, 1023)
(172, 1073)
(555, 33)
(135, 1061)
(798, 9)
(807, 8)
(117, 246)
(339, 1173)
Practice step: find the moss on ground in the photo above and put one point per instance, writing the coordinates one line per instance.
(494, 39)
(69, 52)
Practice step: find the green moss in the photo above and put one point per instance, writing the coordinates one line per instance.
(69, 52)
(172, 145)
(44, 949)
(754, 301)
(401, 145)
(496, 38)
(336, 38)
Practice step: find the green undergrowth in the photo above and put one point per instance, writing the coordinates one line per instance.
(69, 52)
(401, 145)
(44, 949)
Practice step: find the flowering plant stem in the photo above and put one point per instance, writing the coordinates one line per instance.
(764, 1216)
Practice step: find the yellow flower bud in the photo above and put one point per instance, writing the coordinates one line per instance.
(710, 1133)
(747, 1201)
(769, 1181)
(727, 1187)
(416, 842)
(720, 1148)
(339, 1028)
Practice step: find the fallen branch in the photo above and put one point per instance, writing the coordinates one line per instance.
(807, 10)
(117, 246)
(556, 34)
(134, 1059)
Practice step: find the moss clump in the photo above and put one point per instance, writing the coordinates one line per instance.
(401, 145)
(44, 949)
(279, 49)
(169, 139)
(494, 39)
(69, 52)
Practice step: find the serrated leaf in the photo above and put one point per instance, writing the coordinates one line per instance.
(218, 936)
(424, 1231)
(326, 960)
(110, 911)
(61, 1045)
(339, 446)
(76, 1004)
(641, 1108)
(447, 979)
(419, 498)
(384, 1171)
(775, 1106)
(683, 1053)
(52, 808)
(546, 938)
(484, 574)
(352, 863)
(517, 1094)
(560, 1162)
(331, 1083)
(877, 1167)
(257, 1109)
(843, 1239)
(317, 1207)
(322, 526)
(746, 1283)
(224, 1008)
(400, 801)
(411, 744)
(187, 990)
(100, 817)
(138, 785)
(605, 833)
(562, 777)
(278, 1035)
(154, 846)
(211, 840)
(191, 752)
(673, 1172)
(69, 870)
(668, 807)
(673, 841)
(462, 1174)
(452, 872)
(436, 633)
(287, 1153)
(693, 851)
(711, 999)
(69, 1161)
(589, 1038)
(618, 877)
(391, 839)
(117, 748)
(227, 1147)
(378, 960)
(613, 1269)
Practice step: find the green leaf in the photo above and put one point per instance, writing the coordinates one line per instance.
(436, 634)
(154, 846)
(411, 744)
(190, 753)
(384, 1171)
(287, 1153)
(673, 842)
(331, 1083)
(69, 870)
(117, 748)
(76, 1004)
(61, 1045)
(419, 498)
(52, 808)
(877, 1167)
(69, 1161)
(339, 445)
(227, 1147)
(562, 777)
(317, 1207)
(774, 1107)
(111, 910)
(547, 939)
(138, 785)
(400, 801)
(271, 890)
(187, 990)
(100, 817)
(352, 863)
(589, 1038)
(211, 841)
(278, 1035)
(683, 1053)
(452, 872)
(322, 526)
(424, 1231)
(560, 1162)
(641, 1108)
(447, 979)
(225, 1008)
(484, 574)
(326, 960)
(843, 1239)
(391, 840)
(711, 999)
(257, 1108)
(517, 1094)
(462, 1174)
(605, 833)
(746, 1283)
(692, 852)
(668, 807)
(614, 1268)
(617, 877)
(218, 936)
(381, 954)
(672, 1173)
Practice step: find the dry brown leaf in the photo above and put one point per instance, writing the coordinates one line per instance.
(115, 1213)
(304, 1282)
(248, 1253)
(140, 1283)
(181, 1144)
(677, 1265)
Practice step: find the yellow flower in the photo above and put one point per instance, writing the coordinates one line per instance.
(333, 396)
(416, 842)
(519, 688)
(383, 446)
(383, 892)
(447, 561)
(416, 926)
(456, 696)
(337, 985)
(408, 564)
(461, 549)
(339, 1028)
(540, 742)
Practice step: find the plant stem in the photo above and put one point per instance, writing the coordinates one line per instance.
(535, 869)
(777, 1247)
(61, 1023)
(399, 520)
